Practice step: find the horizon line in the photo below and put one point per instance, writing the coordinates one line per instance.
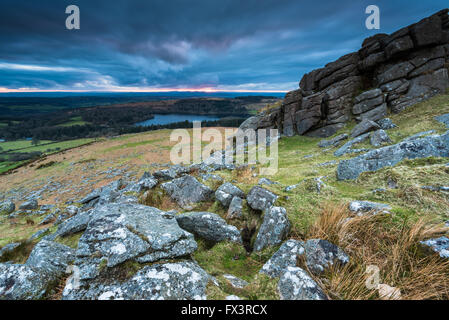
(164, 90)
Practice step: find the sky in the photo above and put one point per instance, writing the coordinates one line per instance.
(165, 45)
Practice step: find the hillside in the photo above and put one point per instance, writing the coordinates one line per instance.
(316, 208)
(357, 209)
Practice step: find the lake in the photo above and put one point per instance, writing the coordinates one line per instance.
(160, 119)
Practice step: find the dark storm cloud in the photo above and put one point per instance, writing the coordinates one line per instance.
(178, 43)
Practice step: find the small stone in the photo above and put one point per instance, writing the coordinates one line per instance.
(259, 198)
(235, 282)
(438, 245)
(235, 210)
(226, 192)
(386, 124)
(7, 207)
(364, 207)
(266, 181)
(9, 248)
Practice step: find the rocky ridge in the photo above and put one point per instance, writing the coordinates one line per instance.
(388, 74)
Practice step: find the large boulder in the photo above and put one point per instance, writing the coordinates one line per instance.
(22, 282)
(226, 192)
(171, 281)
(29, 205)
(208, 226)
(187, 191)
(296, 284)
(368, 101)
(321, 254)
(120, 232)
(259, 198)
(251, 123)
(436, 146)
(52, 257)
(274, 229)
(286, 256)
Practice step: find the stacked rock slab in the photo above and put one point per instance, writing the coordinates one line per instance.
(389, 73)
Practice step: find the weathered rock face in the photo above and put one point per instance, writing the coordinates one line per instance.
(22, 282)
(121, 232)
(436, 146)
(392, 71)
(171, 281)
(51, 256)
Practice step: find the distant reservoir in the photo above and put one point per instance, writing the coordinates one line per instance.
(161, 119)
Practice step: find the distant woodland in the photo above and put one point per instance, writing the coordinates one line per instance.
(56, 119)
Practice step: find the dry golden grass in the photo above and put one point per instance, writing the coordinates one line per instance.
(135, 152)
(56, 292)
(390, 245)
(159, 199)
